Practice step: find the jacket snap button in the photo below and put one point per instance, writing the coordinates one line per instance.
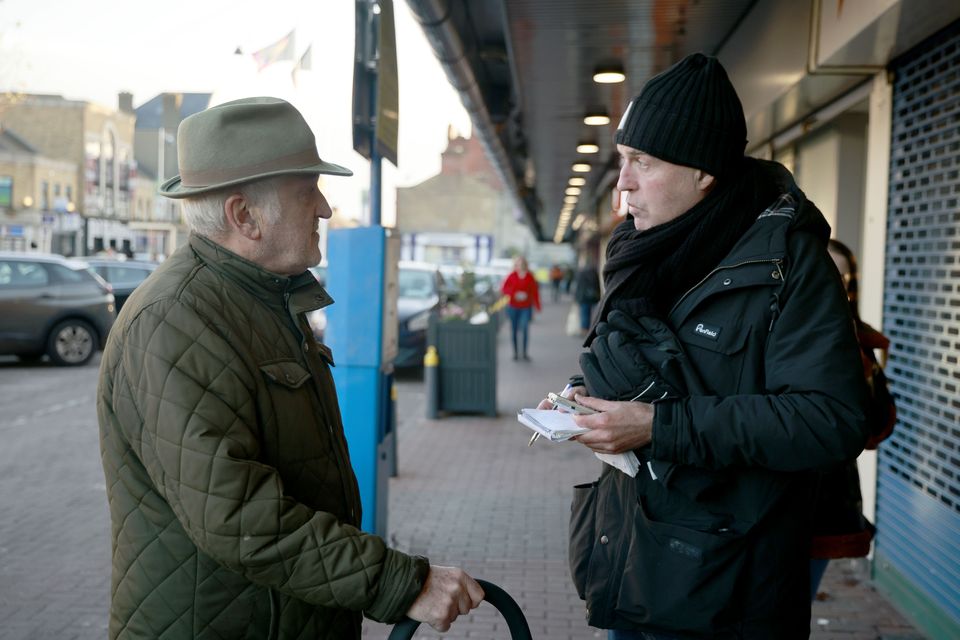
(604, 539)
(727, 281)
(775, 275)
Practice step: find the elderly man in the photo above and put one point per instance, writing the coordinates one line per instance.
(724, 357)
(235, 510)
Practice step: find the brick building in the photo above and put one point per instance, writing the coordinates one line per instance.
(36, 197)
(462, 214)
(98, 142)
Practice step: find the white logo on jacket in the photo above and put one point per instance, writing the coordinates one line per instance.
(704, 331)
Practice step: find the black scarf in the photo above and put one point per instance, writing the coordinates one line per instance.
(646, 272)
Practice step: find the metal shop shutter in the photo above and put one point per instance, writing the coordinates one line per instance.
(918, 495)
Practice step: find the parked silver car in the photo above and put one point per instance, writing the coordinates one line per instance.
(51, 305)
(419, 293)
(123, 275)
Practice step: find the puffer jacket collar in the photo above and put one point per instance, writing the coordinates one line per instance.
(294, 294)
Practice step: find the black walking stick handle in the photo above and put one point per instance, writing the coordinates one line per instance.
(500, 599)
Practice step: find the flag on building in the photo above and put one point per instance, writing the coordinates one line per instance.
(306, 60)
(305, 63)
(282, 49)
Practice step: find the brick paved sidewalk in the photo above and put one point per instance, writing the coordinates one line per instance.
(469, 492)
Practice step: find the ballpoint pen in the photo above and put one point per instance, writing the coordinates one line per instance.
(536, 434)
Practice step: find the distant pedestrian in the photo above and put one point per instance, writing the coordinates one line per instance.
(568, 272)
(586, 291)
(524, 293)
(556, 279)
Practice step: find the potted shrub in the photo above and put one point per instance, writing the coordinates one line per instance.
(465, 335)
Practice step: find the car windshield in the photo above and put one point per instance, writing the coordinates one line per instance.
(416, 284)
(123, 276)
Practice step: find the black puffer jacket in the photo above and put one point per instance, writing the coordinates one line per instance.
(718, 545)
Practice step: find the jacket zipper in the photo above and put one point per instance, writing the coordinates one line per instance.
(776, 261)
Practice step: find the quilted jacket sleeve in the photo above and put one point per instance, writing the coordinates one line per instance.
(809, 413)
(193, 400)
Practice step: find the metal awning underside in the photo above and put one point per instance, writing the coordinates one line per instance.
(524, 69)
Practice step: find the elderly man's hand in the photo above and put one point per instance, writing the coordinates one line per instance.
(618, 428)
(449, 592)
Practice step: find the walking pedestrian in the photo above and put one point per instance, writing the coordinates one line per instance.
(524, 296)
(586, 291)
(235, 510)
(556, 279)
(723, 357)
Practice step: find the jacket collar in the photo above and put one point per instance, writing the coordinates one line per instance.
(297, 293)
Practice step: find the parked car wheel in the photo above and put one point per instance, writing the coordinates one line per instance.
(71, 343)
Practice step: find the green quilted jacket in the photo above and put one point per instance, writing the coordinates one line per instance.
(234, 508)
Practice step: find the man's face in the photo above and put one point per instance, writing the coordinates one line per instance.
(657, 191)
(290, 244)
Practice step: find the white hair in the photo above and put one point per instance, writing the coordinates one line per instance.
(204, 214)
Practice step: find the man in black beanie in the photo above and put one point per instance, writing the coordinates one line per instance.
(723, 356)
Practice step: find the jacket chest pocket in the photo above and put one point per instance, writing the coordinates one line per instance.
(286, 373)
(291, 425)
(718, 351)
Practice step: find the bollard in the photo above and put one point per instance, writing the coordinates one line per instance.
(431, 380)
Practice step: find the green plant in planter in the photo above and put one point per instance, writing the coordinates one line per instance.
(465, 304)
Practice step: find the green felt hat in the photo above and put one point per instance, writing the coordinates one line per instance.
(241, 141)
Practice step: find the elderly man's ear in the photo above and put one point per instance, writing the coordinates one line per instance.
(241, 218)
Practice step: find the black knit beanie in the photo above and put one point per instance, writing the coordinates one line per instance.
(690, 115)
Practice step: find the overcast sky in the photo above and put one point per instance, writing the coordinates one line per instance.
(93, 49)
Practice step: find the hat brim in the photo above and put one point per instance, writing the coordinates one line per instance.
(173, 188)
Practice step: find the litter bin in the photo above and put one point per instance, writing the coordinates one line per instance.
(467, 371)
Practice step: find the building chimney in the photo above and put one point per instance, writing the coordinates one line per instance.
(125, 102)
(170, 117)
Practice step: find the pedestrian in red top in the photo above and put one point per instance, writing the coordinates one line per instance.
(524, 293)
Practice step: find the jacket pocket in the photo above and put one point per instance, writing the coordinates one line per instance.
(718, 352)
(288, 373)
(583, 519)
(680, 579)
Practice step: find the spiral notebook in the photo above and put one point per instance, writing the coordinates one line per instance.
(557, 426)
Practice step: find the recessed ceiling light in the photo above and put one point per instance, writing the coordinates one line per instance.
(581, 167)
(570, 199)
(609, 74)
(588, 147)
(596, 119)
(577, 181)
(572, 191)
